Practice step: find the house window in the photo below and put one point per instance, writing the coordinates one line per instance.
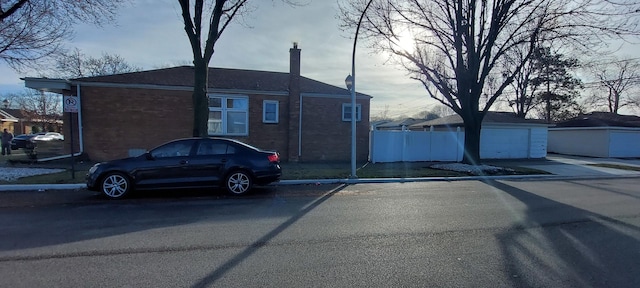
(346, 112)
(270, 111)
(228, 115)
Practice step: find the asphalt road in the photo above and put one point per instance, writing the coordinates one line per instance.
(577, 233)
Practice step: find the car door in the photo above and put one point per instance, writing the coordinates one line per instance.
(206, 166)
(166, 166)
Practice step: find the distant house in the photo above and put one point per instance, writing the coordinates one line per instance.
(598, 134)
(18, 122)
(8, 121)
(398, 124)
(301, 118)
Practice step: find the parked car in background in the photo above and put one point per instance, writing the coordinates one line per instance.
(24, 141)
(188, 163)
(48, 136)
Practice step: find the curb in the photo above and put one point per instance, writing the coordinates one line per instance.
(43, 187)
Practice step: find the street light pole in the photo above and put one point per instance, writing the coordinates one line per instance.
(352, 89)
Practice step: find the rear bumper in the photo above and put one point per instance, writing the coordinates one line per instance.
(269, 176)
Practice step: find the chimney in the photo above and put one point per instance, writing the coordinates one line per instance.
(294, 61)
(294, 104)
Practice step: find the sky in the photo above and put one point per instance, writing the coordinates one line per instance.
(149, 34)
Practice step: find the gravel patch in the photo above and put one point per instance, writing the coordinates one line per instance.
(474, 169)
(13, 174)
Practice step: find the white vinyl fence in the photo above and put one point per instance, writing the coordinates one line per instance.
(495, 143)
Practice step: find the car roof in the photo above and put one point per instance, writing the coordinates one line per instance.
(215, 138)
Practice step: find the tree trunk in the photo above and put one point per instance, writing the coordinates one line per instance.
(472, 126)
(200, 103)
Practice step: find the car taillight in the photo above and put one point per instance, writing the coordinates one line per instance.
(274, 157)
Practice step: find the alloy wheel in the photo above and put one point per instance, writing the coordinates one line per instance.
(115, 185)
(238, 183)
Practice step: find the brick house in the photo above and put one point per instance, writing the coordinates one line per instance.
(18, 121)
(303, 119)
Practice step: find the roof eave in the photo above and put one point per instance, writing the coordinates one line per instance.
(47, 84)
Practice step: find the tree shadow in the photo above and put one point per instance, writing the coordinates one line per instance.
(259, 243)
(559, 245)
(84, 215)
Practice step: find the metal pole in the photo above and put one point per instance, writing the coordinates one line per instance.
(353, 95)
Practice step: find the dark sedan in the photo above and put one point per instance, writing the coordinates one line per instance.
(188, 163)
(25, 141)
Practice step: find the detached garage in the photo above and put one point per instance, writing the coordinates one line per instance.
(503, 136)
(598, 134)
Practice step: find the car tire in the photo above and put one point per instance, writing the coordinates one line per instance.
(115, 185)
(238, 182)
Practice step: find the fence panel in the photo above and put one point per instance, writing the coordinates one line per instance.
(395, 146)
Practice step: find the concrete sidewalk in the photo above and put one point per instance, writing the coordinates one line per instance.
(577, 166)
(560, 167)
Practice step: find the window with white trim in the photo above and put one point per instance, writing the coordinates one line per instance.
(346, 112)
(228, 115)
(270, 111)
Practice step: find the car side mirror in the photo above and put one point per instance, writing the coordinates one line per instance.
(148, 155)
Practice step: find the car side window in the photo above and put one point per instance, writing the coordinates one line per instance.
(174, 149)
(212, 148)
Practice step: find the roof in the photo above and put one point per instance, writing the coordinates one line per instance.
(399, 123)
(601, 119)
(11, 113)
(219, 78)
(490, 118)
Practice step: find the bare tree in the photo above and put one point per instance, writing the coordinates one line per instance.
(220, 14)
(383, 115)
(75, 64)
(522, 94)
(34, 29)
(459, 45)
(616, 82)
(39, 107)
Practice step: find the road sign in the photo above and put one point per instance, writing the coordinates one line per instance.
(70, 104)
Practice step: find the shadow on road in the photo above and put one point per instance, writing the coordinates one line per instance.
(591, 250)
(65, 217)
(251, 249)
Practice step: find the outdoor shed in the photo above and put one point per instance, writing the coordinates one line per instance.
(503, 136)
(125, 114)
(599, 134)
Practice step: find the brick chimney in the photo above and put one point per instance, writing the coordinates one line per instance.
(294, 103)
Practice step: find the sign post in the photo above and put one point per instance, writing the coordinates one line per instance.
(70, 104)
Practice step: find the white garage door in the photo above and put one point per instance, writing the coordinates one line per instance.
(504, 143)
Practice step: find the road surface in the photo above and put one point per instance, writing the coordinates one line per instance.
(576, 233)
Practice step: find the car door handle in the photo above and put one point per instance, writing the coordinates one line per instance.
(184, 162)
(223, 160)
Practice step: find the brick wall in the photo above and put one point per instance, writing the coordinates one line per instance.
(325, 136)
(116, 120)
(267, 136)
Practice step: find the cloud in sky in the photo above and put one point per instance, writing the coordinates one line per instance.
(149, 34)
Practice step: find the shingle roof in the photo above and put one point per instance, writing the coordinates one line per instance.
(15, 113)
(490, 117)
(399, 123)
(219, 78)
(601, 119)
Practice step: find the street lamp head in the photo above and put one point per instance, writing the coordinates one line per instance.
(349, 82)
